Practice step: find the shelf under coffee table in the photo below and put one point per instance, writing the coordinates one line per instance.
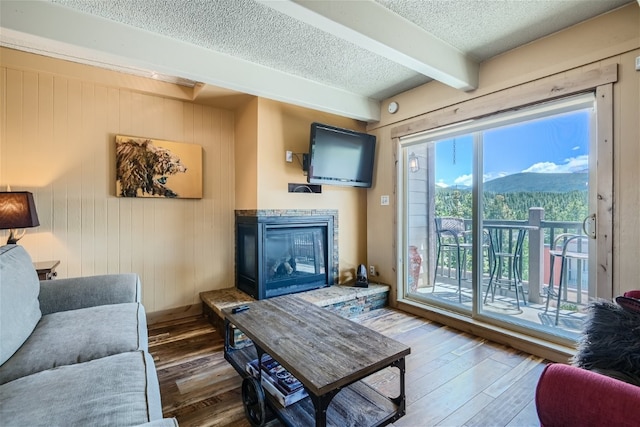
(328, 354)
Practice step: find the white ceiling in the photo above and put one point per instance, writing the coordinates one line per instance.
(337, 56)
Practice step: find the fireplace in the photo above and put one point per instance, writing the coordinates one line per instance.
(279, 255)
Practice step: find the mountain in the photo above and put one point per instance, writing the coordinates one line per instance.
(538, 182)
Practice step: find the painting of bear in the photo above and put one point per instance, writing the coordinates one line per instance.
(155, 168)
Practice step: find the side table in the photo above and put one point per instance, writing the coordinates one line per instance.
(46, 269)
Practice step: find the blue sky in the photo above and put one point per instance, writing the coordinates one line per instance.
(559, 144)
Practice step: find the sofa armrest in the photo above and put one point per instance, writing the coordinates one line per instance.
(633, 294)
(81, 292)
(571, 396)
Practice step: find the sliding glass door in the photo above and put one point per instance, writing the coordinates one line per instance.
(496, 217)
(439, 220)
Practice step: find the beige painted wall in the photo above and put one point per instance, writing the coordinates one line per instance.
(246, 160)
(58, 124)
(265, 130)
(283, 127)
(611, 38)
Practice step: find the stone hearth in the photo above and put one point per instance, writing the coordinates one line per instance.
(347, 301)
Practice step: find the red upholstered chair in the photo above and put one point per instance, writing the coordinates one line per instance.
(632, 294)
(567, 395)
(571, 396)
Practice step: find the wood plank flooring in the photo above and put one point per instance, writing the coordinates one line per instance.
(452, 378)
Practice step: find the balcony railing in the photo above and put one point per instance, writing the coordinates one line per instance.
(535, 259)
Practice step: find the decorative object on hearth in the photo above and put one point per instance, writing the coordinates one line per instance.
(362, 281)
(156, 168)
(17, 210)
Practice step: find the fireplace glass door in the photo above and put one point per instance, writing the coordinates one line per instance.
(294, 256)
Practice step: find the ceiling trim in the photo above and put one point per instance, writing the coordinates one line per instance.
(40, 26)
(387, 34)
(526, 94)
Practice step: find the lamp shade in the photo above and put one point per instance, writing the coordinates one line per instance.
(17, 210)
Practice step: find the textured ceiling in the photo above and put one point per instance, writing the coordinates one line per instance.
(486, 28)
(258, 33)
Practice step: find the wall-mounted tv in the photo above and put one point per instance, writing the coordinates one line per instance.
(340, 156)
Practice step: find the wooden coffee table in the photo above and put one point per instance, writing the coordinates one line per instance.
(328, 354)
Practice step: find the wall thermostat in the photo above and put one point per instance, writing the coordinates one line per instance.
(393, 107)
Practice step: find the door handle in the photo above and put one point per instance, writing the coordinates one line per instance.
(589, 226)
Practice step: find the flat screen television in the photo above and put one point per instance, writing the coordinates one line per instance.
(340, 156)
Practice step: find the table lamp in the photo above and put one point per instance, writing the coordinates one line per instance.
(17, 210)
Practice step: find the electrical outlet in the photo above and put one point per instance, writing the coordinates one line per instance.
(288, 156)
(384, 200)
(372, 270)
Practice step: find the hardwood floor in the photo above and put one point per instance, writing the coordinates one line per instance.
(452, 378)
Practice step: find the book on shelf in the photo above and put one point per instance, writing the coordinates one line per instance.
(277, 381)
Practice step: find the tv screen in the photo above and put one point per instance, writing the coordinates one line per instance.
(340, 156)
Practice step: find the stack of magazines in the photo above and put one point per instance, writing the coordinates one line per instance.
(277, 381)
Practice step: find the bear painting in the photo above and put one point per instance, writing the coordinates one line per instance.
(156, 168)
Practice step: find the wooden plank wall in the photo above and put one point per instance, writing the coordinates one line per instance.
(58, 141)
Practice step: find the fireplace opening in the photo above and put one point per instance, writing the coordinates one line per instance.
(295, 255)
(283, 255)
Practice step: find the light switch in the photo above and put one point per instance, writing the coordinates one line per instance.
(288, 156)
(384, 200)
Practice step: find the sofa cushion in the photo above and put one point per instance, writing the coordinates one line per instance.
(119, 390)
(19, 306)
(74, 336)
(81, 292)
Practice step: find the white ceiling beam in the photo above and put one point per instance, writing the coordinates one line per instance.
(371, 26)
(50, 28)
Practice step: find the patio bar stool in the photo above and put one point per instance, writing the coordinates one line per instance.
(566, 246)
(512, 259)
(452, 238)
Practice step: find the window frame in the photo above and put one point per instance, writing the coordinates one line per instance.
(599, 81)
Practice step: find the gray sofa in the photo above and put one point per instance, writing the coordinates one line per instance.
(73, 352)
